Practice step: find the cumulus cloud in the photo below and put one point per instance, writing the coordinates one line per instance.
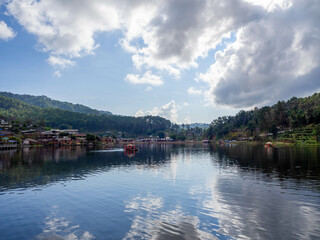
(273, 58)
(171, 41)
(60, 62)
(57, 74)
(148, 89)
(275, 54)
(147, 78)
(168, 111)
(65, 27)
(194, 91)
(179, 32)
(6, 32)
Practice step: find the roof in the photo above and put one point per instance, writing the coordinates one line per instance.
(31, 140)
(80, 135)
(5, 132)
(63, 139)
(28, 131)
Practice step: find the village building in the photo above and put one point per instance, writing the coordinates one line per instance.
(29, 141)
(45, 142)
(49, 134)
(62, 141)
(5, 124)
(80, 136)
(68, 131)
(107, 140)
(31, 133)
(5, 133)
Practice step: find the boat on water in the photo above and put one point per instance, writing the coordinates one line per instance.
(269, 145)
(130, 148)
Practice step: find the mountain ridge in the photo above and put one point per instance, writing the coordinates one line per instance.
(15, 110)
(46, 102)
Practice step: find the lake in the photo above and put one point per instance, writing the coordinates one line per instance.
(161, 192)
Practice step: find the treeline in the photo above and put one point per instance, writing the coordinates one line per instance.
(15, 110)
(291, 114)
(45, 102)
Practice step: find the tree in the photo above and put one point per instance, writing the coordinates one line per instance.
(251, 127)
(173, 136)
(90, 137)
(63, 134)
(316, 132)
(181, 137)
(161, 134)
(274, 130)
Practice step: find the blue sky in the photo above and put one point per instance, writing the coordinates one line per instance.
(184, 60)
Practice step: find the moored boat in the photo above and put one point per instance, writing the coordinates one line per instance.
(269, 145)
(130, 148)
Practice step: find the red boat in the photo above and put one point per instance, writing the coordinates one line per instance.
(130, 148)
(269, 145)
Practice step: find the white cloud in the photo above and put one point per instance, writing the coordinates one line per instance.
(147, 78)
(168, 40)
(168, 111)
(194, 91)
(140, 113)
(271, 5)
(6, 33)
(60, 62)
(65, 27)
(179, 32)
(274, 58)
(187, 120)
(57, 74)
(275, 55)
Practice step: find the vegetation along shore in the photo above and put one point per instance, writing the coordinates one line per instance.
(39, 120)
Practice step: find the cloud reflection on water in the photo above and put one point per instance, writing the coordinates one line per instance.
(152, 221)
(60, 228)
(248, 208)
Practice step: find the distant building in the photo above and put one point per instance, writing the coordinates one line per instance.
(4, 133)
(62, 141)
(5, 124)
(30, 141)
(80, 136)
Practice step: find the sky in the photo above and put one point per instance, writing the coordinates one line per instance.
(185, 60)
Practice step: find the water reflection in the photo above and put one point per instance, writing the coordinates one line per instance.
(163, 192)
(152, 221)
(57, 227)
(299, 163)
(275, 192)
(40, 166)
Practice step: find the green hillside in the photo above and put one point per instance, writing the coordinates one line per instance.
(45, 102)
(13, 109)
(297, 118)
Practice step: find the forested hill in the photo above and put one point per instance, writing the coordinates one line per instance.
(45, 102)
(13, 109)
(291, 114)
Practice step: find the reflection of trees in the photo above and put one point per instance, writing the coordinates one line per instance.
(40, 166)
(283, 162)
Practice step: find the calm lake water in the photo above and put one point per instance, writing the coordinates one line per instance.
(161, 192)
